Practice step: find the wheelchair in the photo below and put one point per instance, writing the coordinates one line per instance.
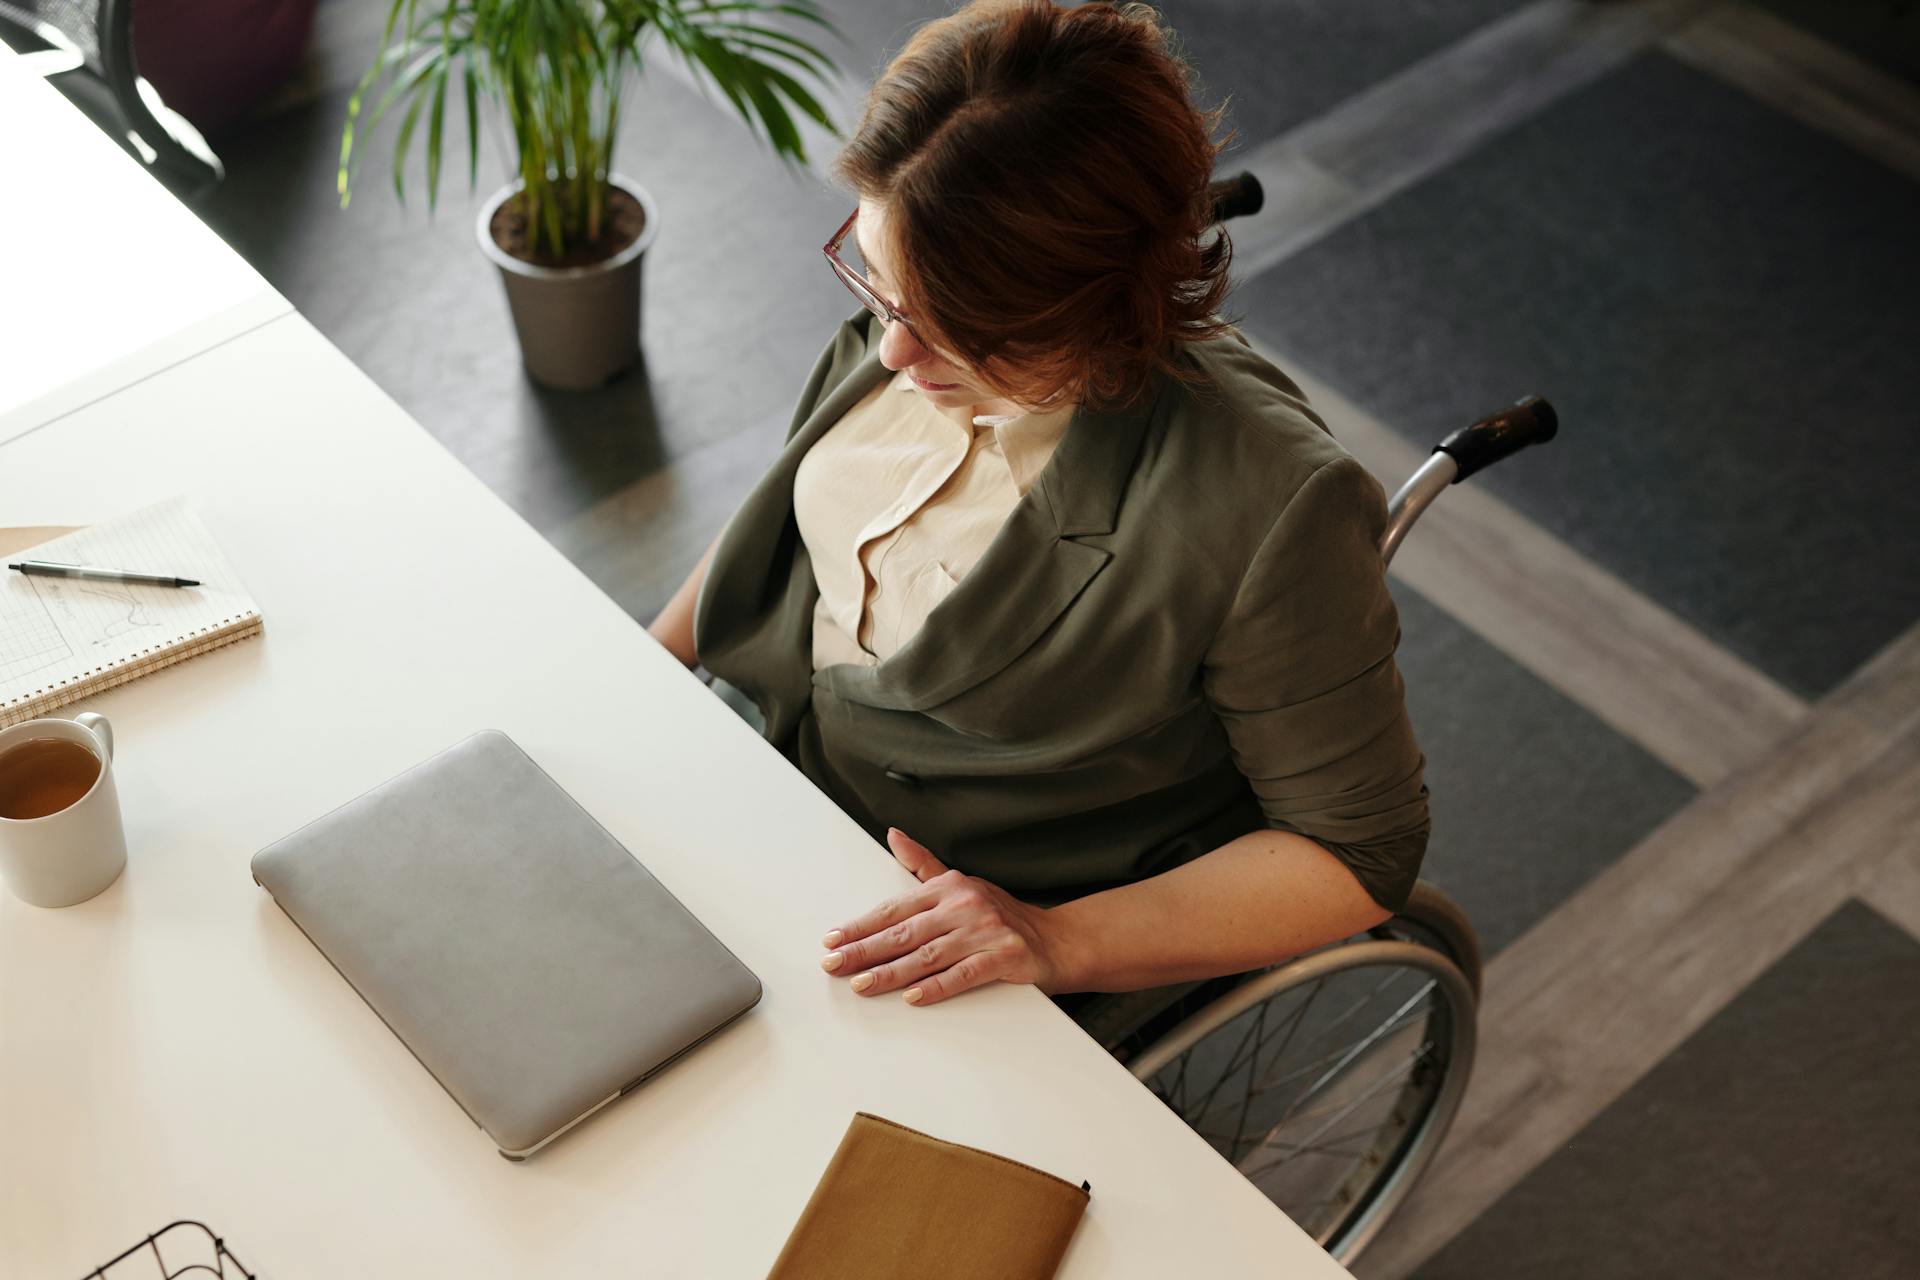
(1330, 1079)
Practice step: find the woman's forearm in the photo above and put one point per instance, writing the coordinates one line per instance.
(673, 627)
(1254, 901)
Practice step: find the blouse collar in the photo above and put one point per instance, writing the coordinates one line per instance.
(1026, 440)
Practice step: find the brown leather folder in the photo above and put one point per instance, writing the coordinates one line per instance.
(897, 1203)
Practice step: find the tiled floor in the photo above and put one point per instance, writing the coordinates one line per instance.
(1531, 794)
(1700, 284)
(1718, 295)
(1772, 1144)
(1282, 62)
(1278, 63)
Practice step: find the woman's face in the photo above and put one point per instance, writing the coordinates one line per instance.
(942, 381)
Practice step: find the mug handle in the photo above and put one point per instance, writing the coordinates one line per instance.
(97, 724)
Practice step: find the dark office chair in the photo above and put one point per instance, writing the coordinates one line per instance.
(85, 47)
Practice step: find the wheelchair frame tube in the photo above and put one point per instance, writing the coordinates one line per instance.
(1415, 496)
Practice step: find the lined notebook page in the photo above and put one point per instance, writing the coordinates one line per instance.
(64, 638)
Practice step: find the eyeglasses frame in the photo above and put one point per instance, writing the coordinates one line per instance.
(870, 298)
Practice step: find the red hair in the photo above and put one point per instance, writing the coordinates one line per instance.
(1045, 172)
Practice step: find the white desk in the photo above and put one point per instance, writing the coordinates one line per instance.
(105, 278)
(176, 1048)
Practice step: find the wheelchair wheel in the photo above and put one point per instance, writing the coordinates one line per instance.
(1329, 1080)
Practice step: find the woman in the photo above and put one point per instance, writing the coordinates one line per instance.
(1057, 585)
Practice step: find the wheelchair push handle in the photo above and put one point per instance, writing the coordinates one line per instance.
(1236, 197)
(1500, 435)
(1496, 436)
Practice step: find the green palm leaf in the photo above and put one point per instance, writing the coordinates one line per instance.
(557, 69)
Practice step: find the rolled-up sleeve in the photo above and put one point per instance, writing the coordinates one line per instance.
(1302, 676)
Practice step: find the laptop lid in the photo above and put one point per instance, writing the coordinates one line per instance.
(531, 964)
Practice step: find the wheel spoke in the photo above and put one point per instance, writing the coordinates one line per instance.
(1341, 1057)
(1249, 1045)
(1298, 1207)
(1415, 1055)
(1289, 1026)
(1360, 1047)
(1207, 1102)
(1344, 1153)
(1180, 1084)
(1349, 1136)
(1246, 1098)
(1373, 1090)
(1393, 1023)
(1332, 1145)
(1352, 1009)
(1293, 1023)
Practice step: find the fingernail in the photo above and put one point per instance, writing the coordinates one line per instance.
(862, 982)
(833, 938)
(912, 996)
(893, 831)
(832, 960)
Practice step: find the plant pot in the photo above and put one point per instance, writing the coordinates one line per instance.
(578, 326)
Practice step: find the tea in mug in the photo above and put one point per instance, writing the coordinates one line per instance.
(44, 775)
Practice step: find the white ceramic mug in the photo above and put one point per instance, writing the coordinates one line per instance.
(73, 853)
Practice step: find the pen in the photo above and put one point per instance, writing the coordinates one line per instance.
(54, 569)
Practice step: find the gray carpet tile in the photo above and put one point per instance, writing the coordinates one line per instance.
(875, 30)
(1276, 63)
(639, 545)
(1884, 32)
(738, 301)
(1531, 795)
(1716, 298)
(1279, 63)
(1777, 1141)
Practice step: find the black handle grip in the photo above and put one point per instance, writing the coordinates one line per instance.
(1236, 197)
(1500, 435)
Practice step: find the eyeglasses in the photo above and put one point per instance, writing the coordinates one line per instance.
(869, 296)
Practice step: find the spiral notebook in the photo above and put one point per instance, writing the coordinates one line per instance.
(64, 639)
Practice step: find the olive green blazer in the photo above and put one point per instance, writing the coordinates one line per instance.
(1181, 634)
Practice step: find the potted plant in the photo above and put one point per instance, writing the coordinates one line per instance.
(568, 233)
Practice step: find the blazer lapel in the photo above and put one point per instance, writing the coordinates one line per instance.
(853, 370)
(762, 534)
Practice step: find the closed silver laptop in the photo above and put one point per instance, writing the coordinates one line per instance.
(523, 955)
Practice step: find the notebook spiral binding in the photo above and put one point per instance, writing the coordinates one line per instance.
(221, 1256)
(100, 679)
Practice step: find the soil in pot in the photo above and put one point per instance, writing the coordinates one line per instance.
(625, 220)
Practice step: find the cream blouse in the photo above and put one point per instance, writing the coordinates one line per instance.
(897, 500)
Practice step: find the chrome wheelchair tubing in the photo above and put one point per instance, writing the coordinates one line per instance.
(1303, 969)
(1414, 497)
(1424, 1141)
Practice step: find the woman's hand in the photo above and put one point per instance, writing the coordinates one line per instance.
(954, 932)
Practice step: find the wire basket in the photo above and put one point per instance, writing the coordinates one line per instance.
(221, 1256)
